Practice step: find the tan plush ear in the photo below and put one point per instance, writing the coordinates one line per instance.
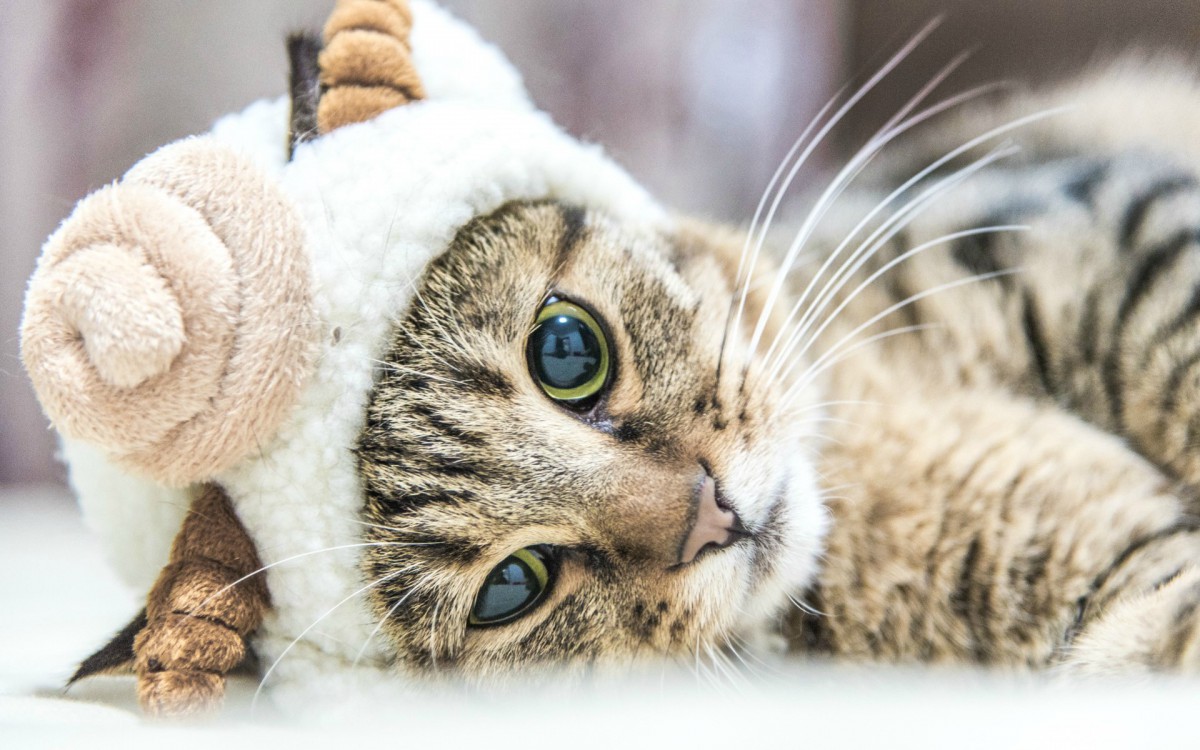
(366, 66)
(170, 318)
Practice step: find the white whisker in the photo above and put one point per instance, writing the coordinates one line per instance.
(918, 203)
(749, 652)
(299, 556)
(898, 220)
(813, 370)
(875, 242)
(816, 140)
(733, 649)
(809, 375)
(835, 188)
(806, 608)
(266, 675)
(769, 192)
(722, 669)
(923, 93)
(795, 338)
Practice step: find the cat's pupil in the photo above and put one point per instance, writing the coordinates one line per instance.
(512, 586)
(508, 587)
(567, 352)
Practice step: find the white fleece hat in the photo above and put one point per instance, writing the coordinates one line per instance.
(367, 206)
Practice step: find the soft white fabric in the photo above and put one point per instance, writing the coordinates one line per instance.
(134, 518)
(379, 200)
(60, 602)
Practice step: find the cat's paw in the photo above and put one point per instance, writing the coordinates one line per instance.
(1154, 631)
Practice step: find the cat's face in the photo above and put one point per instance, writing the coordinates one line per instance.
(529, 515)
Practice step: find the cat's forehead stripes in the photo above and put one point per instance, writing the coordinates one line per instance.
(571, 240)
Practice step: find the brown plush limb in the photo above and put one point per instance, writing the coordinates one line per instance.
(199, 613)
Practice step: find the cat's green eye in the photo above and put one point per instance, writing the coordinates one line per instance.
(513, 587)
(568, 353)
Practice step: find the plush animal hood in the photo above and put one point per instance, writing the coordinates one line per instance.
(218, 314)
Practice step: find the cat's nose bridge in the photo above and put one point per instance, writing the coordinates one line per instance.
(648, 519)
(668, 520)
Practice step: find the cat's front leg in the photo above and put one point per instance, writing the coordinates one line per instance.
(199, 613)
(1155, 630)
(1094, 305)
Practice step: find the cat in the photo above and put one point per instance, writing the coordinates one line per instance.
(1006, 469)
(956, 429)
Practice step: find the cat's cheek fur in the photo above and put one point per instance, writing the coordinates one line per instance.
(787, 559)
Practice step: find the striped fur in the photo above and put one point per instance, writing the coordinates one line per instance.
(1011, 485)
(465, 460)
(1022, 491)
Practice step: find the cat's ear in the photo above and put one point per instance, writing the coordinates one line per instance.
(366, 65)
(305, 87)
(116, 657)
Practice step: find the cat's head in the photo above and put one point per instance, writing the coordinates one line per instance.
(568, 460)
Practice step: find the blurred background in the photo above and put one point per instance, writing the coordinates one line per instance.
(699, 99)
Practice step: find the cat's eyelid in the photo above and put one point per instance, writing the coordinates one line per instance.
(549, 298)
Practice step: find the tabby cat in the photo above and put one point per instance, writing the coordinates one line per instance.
(1004, 475)
(948, 418)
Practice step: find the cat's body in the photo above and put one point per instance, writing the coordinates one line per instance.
(1020, 489)
(593, 443)
(1008, 482)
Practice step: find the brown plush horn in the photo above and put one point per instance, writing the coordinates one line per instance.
(366, 66)
(170, 320)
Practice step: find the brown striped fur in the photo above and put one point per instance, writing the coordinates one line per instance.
(1011, 486)
(1021, 490)
(466, 459)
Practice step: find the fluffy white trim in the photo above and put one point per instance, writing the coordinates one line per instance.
(134, 518)
(456, 64)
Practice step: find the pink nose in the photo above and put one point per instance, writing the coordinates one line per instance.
(714, 524)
